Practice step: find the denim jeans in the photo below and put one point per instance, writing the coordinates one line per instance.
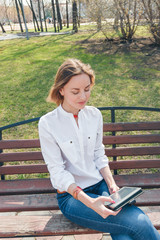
(129, 224)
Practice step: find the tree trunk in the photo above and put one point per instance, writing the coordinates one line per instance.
(1, 25)
(59, 15)
(40, 18)
(18, 15)
(7, 15)
(35, 29)
(54, 15)
(74, 10)
(34, 15)
(35, 21)
(44, 15)
(24, 20)
(67, 15)
(79, 13)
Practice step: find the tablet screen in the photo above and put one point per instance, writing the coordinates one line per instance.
(123, 196)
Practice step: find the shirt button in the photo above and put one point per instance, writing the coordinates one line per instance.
(88, 137)
(70, 141)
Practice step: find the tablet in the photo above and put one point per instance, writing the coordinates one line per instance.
(123, 196)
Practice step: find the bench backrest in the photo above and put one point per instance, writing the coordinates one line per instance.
(124, 142)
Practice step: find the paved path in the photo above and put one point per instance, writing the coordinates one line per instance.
(6, 36)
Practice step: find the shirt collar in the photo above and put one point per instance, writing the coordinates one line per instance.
(67, 114)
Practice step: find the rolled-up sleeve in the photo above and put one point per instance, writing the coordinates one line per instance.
(61, 179)
(100, 158)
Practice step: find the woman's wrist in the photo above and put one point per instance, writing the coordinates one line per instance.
(76, 191)
(84, 198)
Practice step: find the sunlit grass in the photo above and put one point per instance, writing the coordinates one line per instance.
(27, 70)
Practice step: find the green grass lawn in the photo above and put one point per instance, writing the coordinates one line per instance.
(27, 70)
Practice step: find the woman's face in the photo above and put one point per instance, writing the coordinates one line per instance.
(76, 93)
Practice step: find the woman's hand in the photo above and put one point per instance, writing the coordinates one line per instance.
(98, 205)
(113, 188)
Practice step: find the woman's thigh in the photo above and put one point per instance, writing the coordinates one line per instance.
(129, 221)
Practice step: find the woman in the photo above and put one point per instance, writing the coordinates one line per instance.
(71, 143)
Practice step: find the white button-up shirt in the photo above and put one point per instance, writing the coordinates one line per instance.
(73, 153)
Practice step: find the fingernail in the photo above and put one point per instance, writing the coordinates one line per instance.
(113, 202)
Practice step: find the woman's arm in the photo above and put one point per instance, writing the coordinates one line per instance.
(97, 204)
(107, 175)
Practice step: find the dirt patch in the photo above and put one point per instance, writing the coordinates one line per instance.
(145, 46)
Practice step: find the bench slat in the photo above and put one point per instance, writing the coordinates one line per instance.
(131, 139)
(42, 168)
(32, 156)
(29, 186)
(26, 186)
(38, 202)
(134, 126)
(134, 151)
(53, 225)
(139, 180)
(17, 144)
(135, 164)
(21, 156)
(23, 169)
(35, 143)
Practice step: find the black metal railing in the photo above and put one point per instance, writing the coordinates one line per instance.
(113, 119)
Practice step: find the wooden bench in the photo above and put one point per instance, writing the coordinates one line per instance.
(133, 150)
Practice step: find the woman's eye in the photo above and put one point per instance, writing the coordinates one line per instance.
(75, 93)
(87, 90)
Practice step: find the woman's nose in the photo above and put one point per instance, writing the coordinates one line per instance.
(82, 96)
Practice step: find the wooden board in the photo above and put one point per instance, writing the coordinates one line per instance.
(132, 126)
(57, 224)
(38, 202)
(43, 185)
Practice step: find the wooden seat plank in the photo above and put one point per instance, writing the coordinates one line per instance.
(42, 168)
(38, 202)
(138, 180)
(21, 156)
(134, 164)
(23, 169)
(134, 151)
(29, 202)
(26, 186)
(149, 198)
(57, 224)
(29, 186)
(17, 144)
(131, 126)
(131, 139)
(27, 226)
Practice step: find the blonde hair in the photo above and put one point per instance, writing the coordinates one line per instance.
(71, 67)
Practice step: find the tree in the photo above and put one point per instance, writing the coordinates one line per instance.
(97, 11)
(35, 21)
(152, 14)
(24, 19)
(1, 25)
(18, 15)
(67, 14)
(44, 15)
(75, 16)
(58, 14)
(40, 17)
(6, 13)
(54, 15)
(128, 14)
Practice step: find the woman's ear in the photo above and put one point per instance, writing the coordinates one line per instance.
(61, 91)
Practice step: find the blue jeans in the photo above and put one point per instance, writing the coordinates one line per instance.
(129, 223)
